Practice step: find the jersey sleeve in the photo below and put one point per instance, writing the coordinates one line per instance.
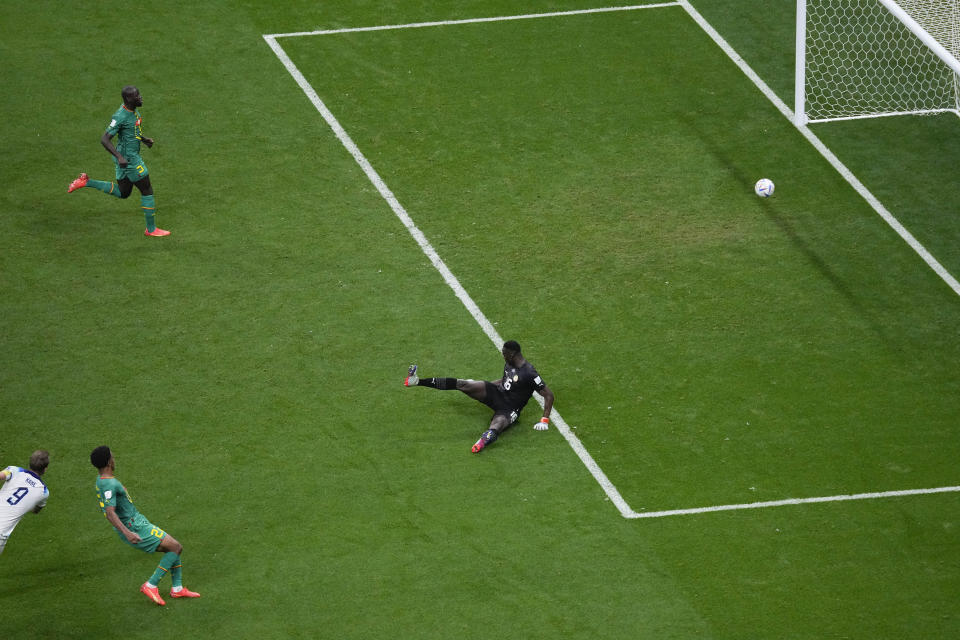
(538, 382)
(115, 123)
(109, 494)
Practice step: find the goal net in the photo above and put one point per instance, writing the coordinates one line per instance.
(871, 58)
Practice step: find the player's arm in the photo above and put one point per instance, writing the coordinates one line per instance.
(147, 141)
(107, 141)
(114, 519)
(547, 396)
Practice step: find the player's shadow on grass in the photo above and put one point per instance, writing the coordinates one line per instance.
(32, 577)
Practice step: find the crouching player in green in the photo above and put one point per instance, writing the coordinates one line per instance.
(136, 530)
(131, 170)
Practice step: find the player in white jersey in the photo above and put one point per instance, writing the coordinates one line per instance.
(22, 491)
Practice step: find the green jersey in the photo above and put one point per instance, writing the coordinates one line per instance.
(113, 494)
(125, 124)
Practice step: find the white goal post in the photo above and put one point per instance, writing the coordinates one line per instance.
(872, 58)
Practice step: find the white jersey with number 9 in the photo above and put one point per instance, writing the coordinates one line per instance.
(23, 491)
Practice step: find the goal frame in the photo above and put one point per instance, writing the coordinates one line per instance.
(800, 96)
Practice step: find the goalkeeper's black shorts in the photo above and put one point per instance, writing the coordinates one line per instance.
(501, 404)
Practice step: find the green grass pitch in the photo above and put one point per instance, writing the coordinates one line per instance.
(588, 180)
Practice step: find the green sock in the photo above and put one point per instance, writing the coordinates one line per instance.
(109, 188)
(176, 573)
(148, 206)
(169, 559)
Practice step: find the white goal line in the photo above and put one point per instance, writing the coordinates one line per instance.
(613, 494)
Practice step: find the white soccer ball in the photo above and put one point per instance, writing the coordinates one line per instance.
(763, 188)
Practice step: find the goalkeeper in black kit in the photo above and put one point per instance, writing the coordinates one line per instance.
(507, 397)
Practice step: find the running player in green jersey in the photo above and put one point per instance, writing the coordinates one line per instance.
(136, 530)
(130, 168)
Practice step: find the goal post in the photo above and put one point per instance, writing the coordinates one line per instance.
(872, 58)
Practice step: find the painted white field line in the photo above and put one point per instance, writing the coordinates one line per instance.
(608, 487)
(612, 493)
(792, 501)
(446, 23)
(848, 175)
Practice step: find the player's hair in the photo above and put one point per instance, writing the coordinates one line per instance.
(100, 457)
(39, 460)
(127, 91)
(512, 345)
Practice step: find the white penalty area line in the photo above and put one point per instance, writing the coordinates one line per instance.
(792, 501)
(608, 487)
(447, 23)
(613, 494)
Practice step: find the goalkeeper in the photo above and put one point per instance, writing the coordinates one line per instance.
(507, 397)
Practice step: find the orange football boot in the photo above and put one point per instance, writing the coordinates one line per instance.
(79, 183)
(153, 593)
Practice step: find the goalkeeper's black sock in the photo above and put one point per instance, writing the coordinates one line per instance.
(444, 384)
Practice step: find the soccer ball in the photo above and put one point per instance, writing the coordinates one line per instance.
(763, 188)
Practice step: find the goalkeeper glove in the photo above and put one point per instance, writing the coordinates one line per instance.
(543, 425)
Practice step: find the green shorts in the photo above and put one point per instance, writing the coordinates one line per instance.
(150, 535)
(136, 168)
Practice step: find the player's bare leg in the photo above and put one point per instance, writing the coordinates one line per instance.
(476, 389)
(169, 543)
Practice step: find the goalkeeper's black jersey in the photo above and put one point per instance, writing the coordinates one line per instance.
(519, 383)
